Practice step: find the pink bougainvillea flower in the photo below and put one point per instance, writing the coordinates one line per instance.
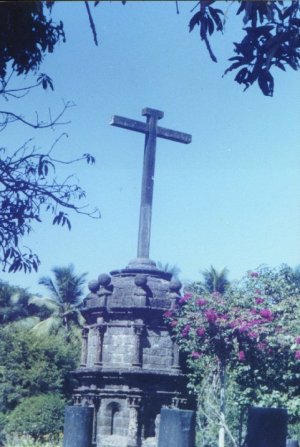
(241, 356)
(297, 355)
(168, 314)
(187, 296)
(259, 300)
(196, 355)
(243, 327)
(267, 314)
(211, 315)
(297, 340)
(223, 317)
(201, 331)
(174, 323)
(262, 345)
(186, 330)
(201, 302)
(252, 335)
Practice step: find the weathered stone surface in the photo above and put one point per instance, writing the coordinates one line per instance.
(132, 368)
(177, 428)
(292, 443)
(78, 426)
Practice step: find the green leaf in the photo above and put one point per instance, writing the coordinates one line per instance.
(195, 20)
(266, 83)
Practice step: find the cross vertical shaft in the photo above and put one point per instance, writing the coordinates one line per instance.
(151, 131)
(147, 185)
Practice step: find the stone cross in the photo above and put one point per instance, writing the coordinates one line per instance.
(151, 131)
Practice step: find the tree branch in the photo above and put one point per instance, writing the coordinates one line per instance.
(92, 24)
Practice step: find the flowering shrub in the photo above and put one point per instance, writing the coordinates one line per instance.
(251, 333)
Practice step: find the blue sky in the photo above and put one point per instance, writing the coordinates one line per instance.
(230, 198)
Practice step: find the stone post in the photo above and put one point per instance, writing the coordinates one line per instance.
(134, 416)
(176, 428)
(292, 443)
(93, 401)
(100, 338)
(267, 427)
(78, 426)
(84, 349)
(138, 354)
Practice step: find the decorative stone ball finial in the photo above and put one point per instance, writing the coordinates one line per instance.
(175, 286)
(104, 279)
(140, 280)
(93, 286)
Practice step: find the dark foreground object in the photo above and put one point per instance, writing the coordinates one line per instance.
(176, 428)
(78, 426)
(267, 427)
(292, 443)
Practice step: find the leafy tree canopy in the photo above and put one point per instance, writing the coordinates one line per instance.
(33, 365)
(27, 33)
(29, 187)
(38, 416)
(271, 40)
(29, 180)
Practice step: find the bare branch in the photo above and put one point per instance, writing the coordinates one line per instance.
(92, 24)
(28, 188)
(10, 117)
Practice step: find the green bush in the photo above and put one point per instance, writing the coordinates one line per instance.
(2, 425)
(37, 416)
(28, 441)
(32, 365)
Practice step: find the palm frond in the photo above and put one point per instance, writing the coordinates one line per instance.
(49, 284)
(28, 322)
(44, 302)
(49, 326)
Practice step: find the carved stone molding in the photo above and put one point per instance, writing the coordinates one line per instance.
(138, 353)
(175, 355)
(134, 404)
(100, 331)
(84, 349)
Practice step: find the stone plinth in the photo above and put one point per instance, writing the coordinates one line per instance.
(130, 367)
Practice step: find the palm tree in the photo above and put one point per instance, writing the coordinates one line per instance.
(65, 294)
(214, 281)
(14, 306)
(169, 268)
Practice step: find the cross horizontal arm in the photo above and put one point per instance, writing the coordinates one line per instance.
(162, 132)
(127, 123)
(173, 135)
